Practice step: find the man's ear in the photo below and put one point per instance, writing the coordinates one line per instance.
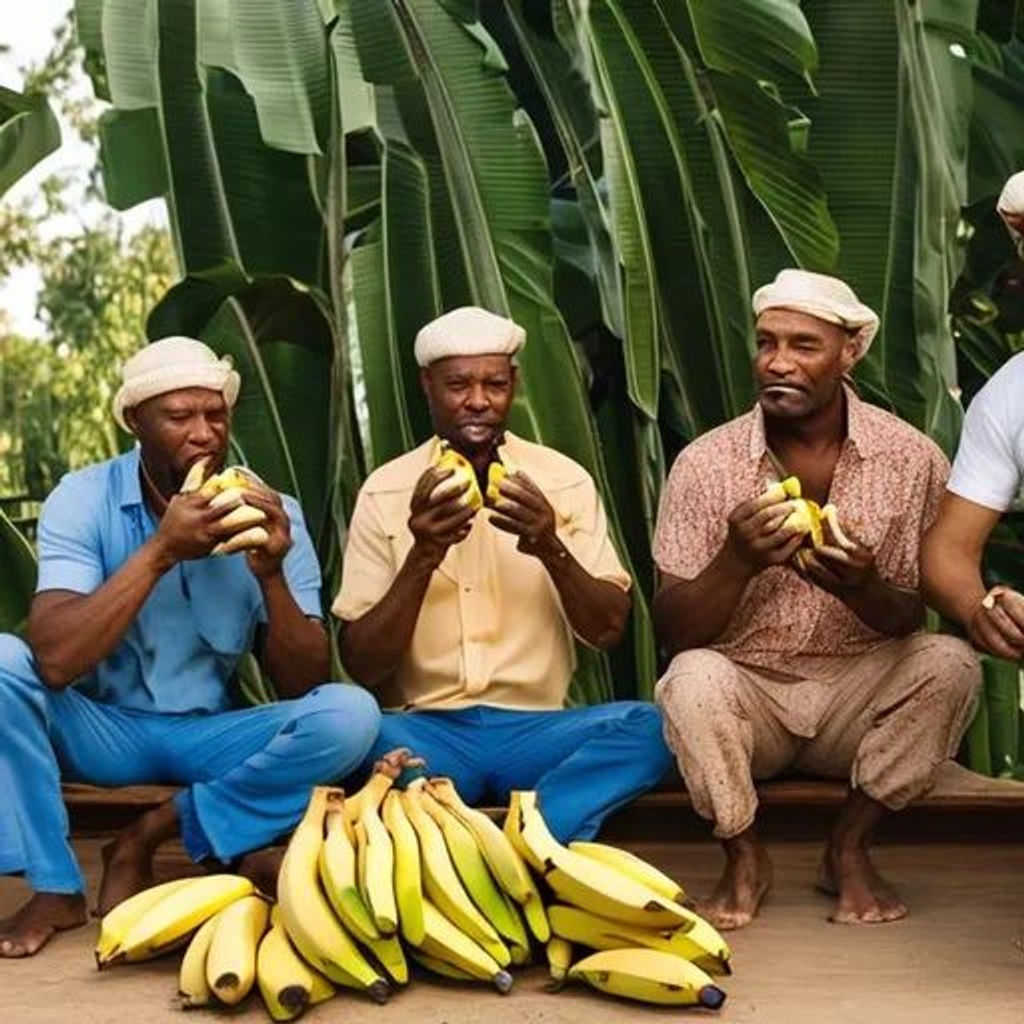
(851, 352)
(425, 379)
(131, 419)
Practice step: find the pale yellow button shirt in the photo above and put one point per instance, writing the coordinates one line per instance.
(491, 629)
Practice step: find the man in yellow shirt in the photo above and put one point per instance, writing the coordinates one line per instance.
(462, 618)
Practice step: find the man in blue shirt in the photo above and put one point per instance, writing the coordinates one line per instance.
(134, 637)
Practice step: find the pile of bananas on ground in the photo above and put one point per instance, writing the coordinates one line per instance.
(388, 874)
(810, 518)
(226, 489)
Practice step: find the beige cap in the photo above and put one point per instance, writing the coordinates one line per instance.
(827, 298)
(171, 364)
(468, 331)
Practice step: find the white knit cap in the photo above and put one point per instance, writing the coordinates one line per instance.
(169, 365)
(822, 296)
(1011, 204)
(468, 331)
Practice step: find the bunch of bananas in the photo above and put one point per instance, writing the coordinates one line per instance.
(226, 489)
(808, 518)
(394, 872)
(464, 475)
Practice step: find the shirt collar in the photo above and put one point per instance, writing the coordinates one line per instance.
(858, 431)
(129, 486)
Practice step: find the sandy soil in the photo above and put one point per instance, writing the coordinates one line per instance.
(953, 961)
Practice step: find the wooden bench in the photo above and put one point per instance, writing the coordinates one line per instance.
(961, 806)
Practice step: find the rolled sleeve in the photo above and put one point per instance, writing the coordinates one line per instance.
(70, 551)
(301, 567)
(367, 569)
(585, 534)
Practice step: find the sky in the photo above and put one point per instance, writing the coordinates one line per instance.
(30, 39)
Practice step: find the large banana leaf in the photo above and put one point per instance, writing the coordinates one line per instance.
(17, 576)
(29, 132)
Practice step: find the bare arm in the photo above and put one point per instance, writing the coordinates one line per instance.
(295, 650)
(596, 608)
(71, 633)
(951, 578)
(372, 646)
(692, 613)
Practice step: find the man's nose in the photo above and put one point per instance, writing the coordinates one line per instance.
(202, 430)
(477, 397)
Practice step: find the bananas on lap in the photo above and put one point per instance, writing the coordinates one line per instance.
(402, 870)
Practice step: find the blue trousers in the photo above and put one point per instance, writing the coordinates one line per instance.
(248, 772)
(584, 763)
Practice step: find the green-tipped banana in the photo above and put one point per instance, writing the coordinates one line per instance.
(408, 872)
(473, 872)
(441, 880)
(507, 866)
(231, 958)
(166, 924)
(193, 988)
(633, 866)
(701, 945)
(444, 941)
(308, 918)
(116, 923)
(649, 976)
(339, 873)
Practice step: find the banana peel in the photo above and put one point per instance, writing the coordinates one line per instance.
(808, 518)
(464, 474)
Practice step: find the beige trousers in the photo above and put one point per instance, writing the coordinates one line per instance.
(885, 720)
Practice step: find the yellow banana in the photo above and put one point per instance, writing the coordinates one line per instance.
(507, 866)
(231, 958)
(463, 473)
(831, 516)
(232, 476)
(806, 518)
(284, 979)
(444, 941)
(408, 874)
(781, 490)
(322, 989)
(473, 871)
(174, 917)
(115, 924)
(254, 537)
(702, 944)
(649, 976)
(442, 967)
(339, 875)
(193, 988)
(196, 475)
(588, 883)
(559, 952)
(389, 954)
(375, 856)
(243, 517)
(308, 918)
(441, 881)
(633, 866)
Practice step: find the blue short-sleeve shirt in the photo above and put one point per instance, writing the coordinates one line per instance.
(181, 651)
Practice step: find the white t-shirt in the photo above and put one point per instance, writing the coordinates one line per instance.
(989, 462)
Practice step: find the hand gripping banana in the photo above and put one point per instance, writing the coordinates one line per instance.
(284, 979)
(633, 866)
(473, 871)
(441, 881)
(226, 489)
(375, 856)
(193, 988)
(444, 941)
(649, 976)
(586, 882)
(339, 873)
(116, 923)
(231, 958)
(701, 945)
(408, 874)
(308, 918)
(173, 918)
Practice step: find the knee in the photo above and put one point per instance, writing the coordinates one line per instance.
(342, 715)
(696, 682)
(956, 668)
(15, 657)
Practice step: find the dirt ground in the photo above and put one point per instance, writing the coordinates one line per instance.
(952, 961)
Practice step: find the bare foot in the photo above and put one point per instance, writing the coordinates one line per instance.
(742, 888)
(261, 867)
(127, 869)
(45, 914)
(863, 896)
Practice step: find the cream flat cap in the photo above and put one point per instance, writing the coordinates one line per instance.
(827, 298)
(468, 331)
(171, 364)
